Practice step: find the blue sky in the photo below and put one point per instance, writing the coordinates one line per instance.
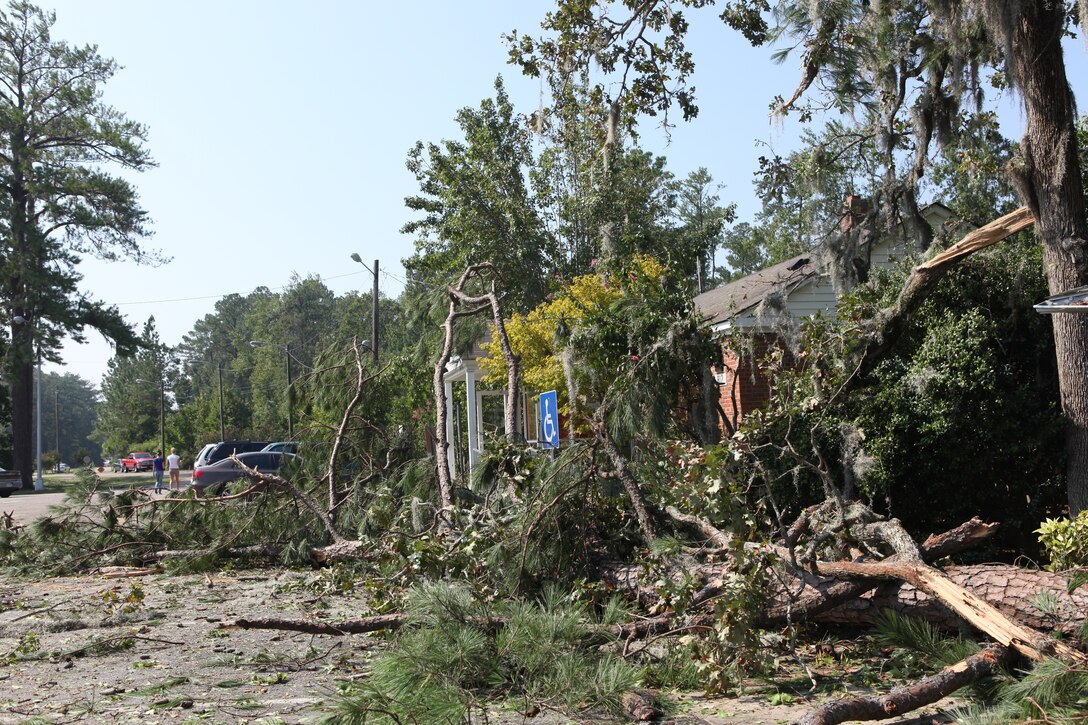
(281, 130)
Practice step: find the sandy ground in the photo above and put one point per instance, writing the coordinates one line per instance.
(155, 649)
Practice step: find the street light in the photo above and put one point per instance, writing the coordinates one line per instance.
(39, 482)
(374, 322)
(162, 411)
(287, 354)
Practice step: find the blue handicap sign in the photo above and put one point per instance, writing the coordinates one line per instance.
(549, 419)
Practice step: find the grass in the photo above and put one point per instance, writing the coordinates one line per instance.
(60, 482)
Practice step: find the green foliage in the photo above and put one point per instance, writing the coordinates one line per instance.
(1065, 541)
(69, 406)
(60, 203)
(909, 435)
(129, 412)
(975, 351)
(451, 660)
(894, 630)
(1053, 691)
(476, 205)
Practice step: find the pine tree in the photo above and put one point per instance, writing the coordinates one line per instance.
(57, 203)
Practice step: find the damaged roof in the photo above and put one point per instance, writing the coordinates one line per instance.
(721, 303)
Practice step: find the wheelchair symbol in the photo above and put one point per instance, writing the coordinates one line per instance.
(549, 423)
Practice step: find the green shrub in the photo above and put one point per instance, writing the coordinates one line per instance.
(1065, 541)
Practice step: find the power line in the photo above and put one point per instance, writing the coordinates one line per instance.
(225, 294)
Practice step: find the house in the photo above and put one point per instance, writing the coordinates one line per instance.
(789, 292)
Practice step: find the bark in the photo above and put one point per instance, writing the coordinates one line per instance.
(911, 697)
(1009, 588)
(973, 609)
(22, 404)
(377, 623)
(799, 594)
(352, 550)
(441, 442)
(1050, 182)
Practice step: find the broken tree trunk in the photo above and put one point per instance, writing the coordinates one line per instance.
(623, 472)
(1010, 588)
(826, 599)
(973, 609)
(459, 300)
(911, 697)
(885, 329)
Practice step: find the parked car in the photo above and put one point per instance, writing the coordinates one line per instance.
(282, 447)
(137, 462)
(216, 476)
(214, 452)
(10, 482)
(62, 467)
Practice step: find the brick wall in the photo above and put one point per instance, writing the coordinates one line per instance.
(742, 385)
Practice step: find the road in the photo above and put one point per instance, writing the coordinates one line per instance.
(26, 507)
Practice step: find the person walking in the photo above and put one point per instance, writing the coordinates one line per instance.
(156, 467)
(174, 461)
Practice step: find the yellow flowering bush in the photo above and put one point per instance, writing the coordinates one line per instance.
(536, 337)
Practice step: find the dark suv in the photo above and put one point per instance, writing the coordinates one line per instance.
(215, 452)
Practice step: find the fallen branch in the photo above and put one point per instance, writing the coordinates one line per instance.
(124, 572)
(911, 697)
(239, 552)
(362, 625)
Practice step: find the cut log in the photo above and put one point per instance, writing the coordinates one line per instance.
(911, 697)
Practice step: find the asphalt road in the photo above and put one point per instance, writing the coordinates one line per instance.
(25, 507)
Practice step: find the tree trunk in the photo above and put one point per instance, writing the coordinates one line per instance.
(1050, 182)
(630, 484)
(22, 402)
(830, 600)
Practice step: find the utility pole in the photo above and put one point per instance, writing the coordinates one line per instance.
(374, 322)
(56, 422)
(290, 413)
(162, 413)
(222, 428)
(374, 347)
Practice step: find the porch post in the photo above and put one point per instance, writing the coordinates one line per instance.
(451, 457)
(471, 405)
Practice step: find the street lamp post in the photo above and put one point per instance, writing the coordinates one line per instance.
(39, 482)
(287, 354)
(162, 411)
(374, 320)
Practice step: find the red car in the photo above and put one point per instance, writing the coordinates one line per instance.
(137, 462)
